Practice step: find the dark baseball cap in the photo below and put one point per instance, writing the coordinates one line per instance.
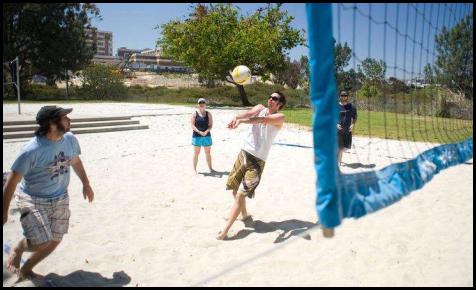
(47, 113)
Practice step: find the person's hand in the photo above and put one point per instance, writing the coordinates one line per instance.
(350, 128)
(339, 127)
(88, 192)
(231, 125)
(203, 133)
(236, 124)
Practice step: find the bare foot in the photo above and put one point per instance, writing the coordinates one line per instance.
(13, 262)
(28, 275)
(221, 235)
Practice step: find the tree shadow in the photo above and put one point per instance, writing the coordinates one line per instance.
(290, 228)
(358, 165)
(86, 279)
(218, 174)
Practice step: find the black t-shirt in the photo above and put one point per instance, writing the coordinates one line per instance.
(347, 112)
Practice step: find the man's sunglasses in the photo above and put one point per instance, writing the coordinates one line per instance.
(274, 98)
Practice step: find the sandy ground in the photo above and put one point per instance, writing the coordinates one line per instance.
(154, 221)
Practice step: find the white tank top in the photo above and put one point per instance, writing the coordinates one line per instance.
(260, 138)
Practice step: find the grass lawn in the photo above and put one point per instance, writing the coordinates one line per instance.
(398, 126)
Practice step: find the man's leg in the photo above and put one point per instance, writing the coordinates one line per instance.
(339, 155)
(235, 211)
(13, 263)
(39, 255)
(244, 212)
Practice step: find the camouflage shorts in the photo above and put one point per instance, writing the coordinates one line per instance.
(246, 174)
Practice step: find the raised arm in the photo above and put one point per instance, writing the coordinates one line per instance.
(250, 113)
(274, 119)
(246, 115)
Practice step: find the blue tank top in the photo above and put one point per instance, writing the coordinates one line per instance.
(201, 123)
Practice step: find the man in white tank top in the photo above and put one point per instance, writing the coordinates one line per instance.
(246, 173)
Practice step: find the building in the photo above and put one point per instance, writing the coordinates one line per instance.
(152, 60)
(124, 52)
(107, 60)
(102, 40)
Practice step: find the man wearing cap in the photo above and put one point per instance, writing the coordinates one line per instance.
(347, 119)
(43, 166)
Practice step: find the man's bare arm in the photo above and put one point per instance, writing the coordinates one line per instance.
(11, 184)
(79, 169)
(275, 119)
(250, 113)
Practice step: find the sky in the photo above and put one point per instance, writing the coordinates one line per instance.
(133, 26)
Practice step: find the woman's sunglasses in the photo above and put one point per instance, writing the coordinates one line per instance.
(273, 98)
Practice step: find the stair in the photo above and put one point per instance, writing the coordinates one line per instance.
(25, 129)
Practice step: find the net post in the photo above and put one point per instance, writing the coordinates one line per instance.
(328, 232)
(325, 111)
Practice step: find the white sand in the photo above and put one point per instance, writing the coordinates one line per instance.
(153, 222)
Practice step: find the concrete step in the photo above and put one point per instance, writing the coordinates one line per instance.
(75, 120)
(20, 128)
(81, 131)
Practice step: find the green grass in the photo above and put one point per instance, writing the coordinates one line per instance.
(398, 126)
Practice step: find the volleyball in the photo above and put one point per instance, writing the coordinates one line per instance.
(241, 74)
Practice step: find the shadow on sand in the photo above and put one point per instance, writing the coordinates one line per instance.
(358, 165)
(289, 228)
(218, 174)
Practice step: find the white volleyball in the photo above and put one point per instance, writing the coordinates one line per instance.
(241, 74)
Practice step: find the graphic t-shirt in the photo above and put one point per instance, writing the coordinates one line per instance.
(45, 165)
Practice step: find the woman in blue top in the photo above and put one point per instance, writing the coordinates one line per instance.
(201, 125)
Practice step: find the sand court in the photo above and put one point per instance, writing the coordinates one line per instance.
(153, 221)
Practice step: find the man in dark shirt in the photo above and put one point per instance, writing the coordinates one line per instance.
(347, 118)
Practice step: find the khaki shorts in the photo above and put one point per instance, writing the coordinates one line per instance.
(42, 219)
(246, 174)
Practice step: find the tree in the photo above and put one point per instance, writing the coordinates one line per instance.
(291, 75)
(216, 38)
(396, 86)
(349, 80)
(304, 72)
(373, 70)
(346, 80)
(49, 38)
(369, 90)
(454, 61)
(428, 72)
(103, 82)
(343, 53)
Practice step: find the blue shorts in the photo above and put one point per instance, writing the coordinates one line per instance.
(202, 141)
